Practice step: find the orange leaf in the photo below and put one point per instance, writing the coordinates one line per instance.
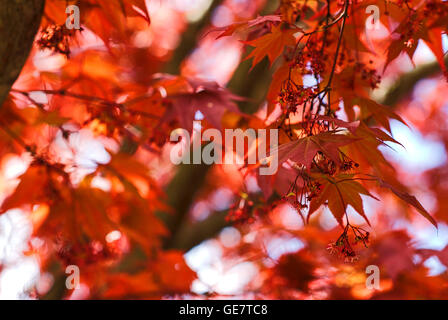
(339, 193)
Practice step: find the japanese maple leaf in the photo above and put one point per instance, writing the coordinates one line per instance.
(304, 150)
(339, 192)
(366, 149)
(297, 269)
(32, 189)
(279, 77)
(198, 95)
(271, 44)
(263, 19)
(168, 274)
(87, 207)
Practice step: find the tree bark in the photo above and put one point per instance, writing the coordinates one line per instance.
(19, 23)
